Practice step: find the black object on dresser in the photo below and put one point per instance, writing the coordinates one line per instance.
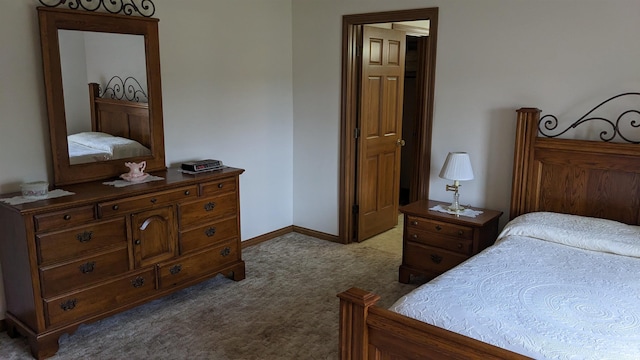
(434, 242)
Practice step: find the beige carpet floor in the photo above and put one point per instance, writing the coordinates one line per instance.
(286, 308)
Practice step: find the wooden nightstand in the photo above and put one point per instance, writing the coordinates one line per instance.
(434, 242)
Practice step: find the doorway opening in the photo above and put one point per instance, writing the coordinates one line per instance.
(417, 162)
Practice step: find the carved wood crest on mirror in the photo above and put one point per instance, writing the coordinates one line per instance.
(103, 90)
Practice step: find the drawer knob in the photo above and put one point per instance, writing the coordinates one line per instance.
(137, 282)
(67, 217)
(187, 192)
(438, 227)
(209, 206)
(175, 269)
(460, 245)
(460, 232)
(220, 186)
(436, 258)
(84, 236)
(210, 231)
(137, 242)
(415, 236)
(414, 223)
(154, 200)
(88, 267)
(225, 252)
(68, 305)
(115, 207)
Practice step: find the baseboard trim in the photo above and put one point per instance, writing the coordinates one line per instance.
(317, 234)
(288, 229)
(268, 236)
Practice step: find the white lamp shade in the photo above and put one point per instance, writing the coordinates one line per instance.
(457, 166)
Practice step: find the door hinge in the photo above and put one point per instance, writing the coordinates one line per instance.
(356, 133)
(355, 209)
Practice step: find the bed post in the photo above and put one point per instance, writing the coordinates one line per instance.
(354, 307)
(526, 133)
(94, 92)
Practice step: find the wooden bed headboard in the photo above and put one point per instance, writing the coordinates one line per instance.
(582, 177)
(120, 117)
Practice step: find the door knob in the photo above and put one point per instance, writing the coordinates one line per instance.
(400, 142)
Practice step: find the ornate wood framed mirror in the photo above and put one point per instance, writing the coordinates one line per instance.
(135, 126)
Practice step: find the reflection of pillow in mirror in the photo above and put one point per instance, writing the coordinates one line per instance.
(118, 147)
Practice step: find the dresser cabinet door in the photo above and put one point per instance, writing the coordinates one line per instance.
(154, 236)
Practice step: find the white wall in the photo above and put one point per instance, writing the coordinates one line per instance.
(235, 75)
(227, 94)
(493, 57)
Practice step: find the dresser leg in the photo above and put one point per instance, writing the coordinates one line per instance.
(404, 275)
(43, 347)
(237, 273)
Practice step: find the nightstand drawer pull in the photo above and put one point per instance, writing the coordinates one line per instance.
(414, 223)
(415, 236)
(460, 232)
(436, 258)
(438, 227)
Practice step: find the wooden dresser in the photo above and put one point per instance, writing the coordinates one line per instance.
(434, 242)
(79, 258)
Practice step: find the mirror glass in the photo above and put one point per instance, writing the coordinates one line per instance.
(104, 93)
(107, 60)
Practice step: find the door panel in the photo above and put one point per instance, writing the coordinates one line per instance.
(154, 237)
(380, 123)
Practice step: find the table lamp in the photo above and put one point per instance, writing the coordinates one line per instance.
(457, 167)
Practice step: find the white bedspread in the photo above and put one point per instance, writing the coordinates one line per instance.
(540, 298)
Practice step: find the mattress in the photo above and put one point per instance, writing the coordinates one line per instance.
(552, 287)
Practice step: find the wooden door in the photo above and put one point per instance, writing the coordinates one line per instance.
(154, 237)
(380, 124)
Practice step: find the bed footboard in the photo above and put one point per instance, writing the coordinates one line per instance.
(370, 332)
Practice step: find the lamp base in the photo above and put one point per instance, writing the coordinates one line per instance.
(455, 207)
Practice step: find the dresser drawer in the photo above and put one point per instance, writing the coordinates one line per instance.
(207, 210)
(191, 267)
(65, 218)
(65, 277)
(218, 187)
(208, 234)
(60, 245)
(431, 258)
(99, 298)
(124, 206)
(438, 227)
(459, 245)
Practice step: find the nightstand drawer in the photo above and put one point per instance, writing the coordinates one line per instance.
(439, 227)
(431, 258)
(458, 245)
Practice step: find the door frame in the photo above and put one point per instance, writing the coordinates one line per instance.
(351, 25)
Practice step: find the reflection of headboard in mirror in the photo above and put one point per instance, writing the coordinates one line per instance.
(119, 117)
(149, 133)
